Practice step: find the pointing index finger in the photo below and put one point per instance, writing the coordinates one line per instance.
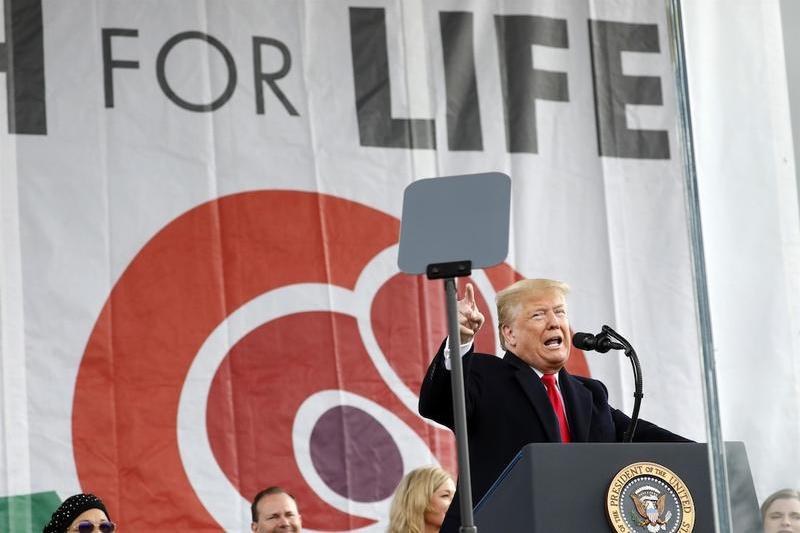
(469, 295)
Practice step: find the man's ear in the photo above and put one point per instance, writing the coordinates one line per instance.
(253, 527)
(508, 335)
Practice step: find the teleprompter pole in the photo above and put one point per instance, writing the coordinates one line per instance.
(459, 410)
(449, 272)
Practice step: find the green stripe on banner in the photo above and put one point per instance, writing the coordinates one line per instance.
(29, 512)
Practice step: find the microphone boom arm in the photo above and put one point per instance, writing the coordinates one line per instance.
(637, 377)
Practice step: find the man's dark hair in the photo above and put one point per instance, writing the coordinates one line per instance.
(266, 492)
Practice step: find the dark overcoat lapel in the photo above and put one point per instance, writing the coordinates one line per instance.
(578, 404)
(537, 395)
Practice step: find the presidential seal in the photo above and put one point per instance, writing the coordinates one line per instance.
(649, 498)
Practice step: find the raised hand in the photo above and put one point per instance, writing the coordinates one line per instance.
(470, 319)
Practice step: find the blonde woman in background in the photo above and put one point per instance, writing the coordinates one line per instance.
(421, 500)
(781, 512)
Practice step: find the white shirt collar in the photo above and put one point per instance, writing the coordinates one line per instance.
(540, 374)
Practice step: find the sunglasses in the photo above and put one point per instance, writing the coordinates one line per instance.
(84, 526)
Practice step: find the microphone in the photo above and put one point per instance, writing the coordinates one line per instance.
(600, 343)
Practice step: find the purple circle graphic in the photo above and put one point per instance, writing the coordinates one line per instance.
(354, 455)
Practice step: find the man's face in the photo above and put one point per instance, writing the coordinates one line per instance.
(539, 333)
(783, 516)
(277, 513)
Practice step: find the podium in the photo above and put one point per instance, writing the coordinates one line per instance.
(550, 488)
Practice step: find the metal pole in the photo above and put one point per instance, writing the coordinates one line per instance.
(716, 450)
(459, 410)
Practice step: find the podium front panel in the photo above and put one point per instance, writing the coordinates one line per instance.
(556, 488)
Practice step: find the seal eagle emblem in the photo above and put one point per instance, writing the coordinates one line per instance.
(651, 506)
(649, 498)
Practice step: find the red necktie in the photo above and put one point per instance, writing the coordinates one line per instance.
(549, 381)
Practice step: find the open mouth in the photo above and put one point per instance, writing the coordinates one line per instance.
(554, 342)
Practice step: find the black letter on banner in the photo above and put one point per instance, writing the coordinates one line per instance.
(613, 89)
(270, 78)
(523, 84)
(109, 64)
(162, 79)
(376, 127)
(463, 113)
(22, 59)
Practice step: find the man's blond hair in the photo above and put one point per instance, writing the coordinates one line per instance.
(510, 299)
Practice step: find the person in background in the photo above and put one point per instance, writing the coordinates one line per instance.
(781, 512)
(421, 501)
(275, 510)
(81, 513)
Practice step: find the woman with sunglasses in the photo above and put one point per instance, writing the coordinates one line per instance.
(81, 513)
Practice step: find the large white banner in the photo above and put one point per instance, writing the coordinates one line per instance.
(200, 206)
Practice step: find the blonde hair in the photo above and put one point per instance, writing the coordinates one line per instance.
(510, 299)
(785, 494)
(412, 499)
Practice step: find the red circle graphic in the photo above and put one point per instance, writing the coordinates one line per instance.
(185, 281)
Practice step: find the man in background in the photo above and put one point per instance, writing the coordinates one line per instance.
(274, 510)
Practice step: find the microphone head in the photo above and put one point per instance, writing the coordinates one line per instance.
(584, 341)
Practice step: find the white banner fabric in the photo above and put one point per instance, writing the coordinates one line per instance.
(199, 286)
